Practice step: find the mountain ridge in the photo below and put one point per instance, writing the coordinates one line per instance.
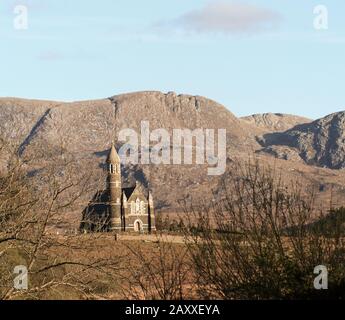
(320, 142)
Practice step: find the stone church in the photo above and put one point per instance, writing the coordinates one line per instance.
(118, 209)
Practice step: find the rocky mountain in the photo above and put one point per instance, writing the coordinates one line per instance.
(91, 125)
(274, 122)
(320, 143)
(47, 130)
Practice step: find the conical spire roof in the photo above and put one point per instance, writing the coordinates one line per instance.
(113, 156)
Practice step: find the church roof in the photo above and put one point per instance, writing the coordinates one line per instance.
(128, 191)
(99, 203)
(101, 197)
(138, 187)
(113, 156)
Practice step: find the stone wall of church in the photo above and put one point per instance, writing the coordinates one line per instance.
(136, 214)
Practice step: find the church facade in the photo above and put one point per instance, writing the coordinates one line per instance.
(119, 209)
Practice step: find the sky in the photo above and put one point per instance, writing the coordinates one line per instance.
(251, 56)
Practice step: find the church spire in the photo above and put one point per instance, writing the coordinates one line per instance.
(113, 156)
(115, 189)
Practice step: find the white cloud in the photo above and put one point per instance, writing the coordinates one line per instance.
(226, 18)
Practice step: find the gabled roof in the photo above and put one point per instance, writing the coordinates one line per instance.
(101, 197)
(128, 191)
(98, 205)
(138, 188)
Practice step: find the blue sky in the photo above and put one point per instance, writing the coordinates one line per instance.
(251, 56)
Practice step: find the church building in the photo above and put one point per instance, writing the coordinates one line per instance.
(118, 209)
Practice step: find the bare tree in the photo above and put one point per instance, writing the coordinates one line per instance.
(261, 240)
(31, 204)
(159, 272)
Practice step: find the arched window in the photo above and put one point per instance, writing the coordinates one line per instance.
(137, 206)
(142, 207)
(112, 168)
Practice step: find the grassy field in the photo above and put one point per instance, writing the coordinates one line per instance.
(113, 281)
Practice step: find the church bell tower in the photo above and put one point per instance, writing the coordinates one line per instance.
(115, 189)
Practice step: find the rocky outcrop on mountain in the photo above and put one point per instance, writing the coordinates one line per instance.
(321, 142)
(19, 118)
(274, 122)
(281, 152)
(91, 125)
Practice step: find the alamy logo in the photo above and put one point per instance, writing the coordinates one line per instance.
(321, 17)
(20, 21)
(175, 149)
(20, 282)
(321, 281)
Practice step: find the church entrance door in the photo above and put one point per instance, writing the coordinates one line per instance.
(137, 226)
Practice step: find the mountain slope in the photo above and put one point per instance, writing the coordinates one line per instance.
(274, 122)
(92, 125)
(48, 131)
(85, 130)
(321, 142)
